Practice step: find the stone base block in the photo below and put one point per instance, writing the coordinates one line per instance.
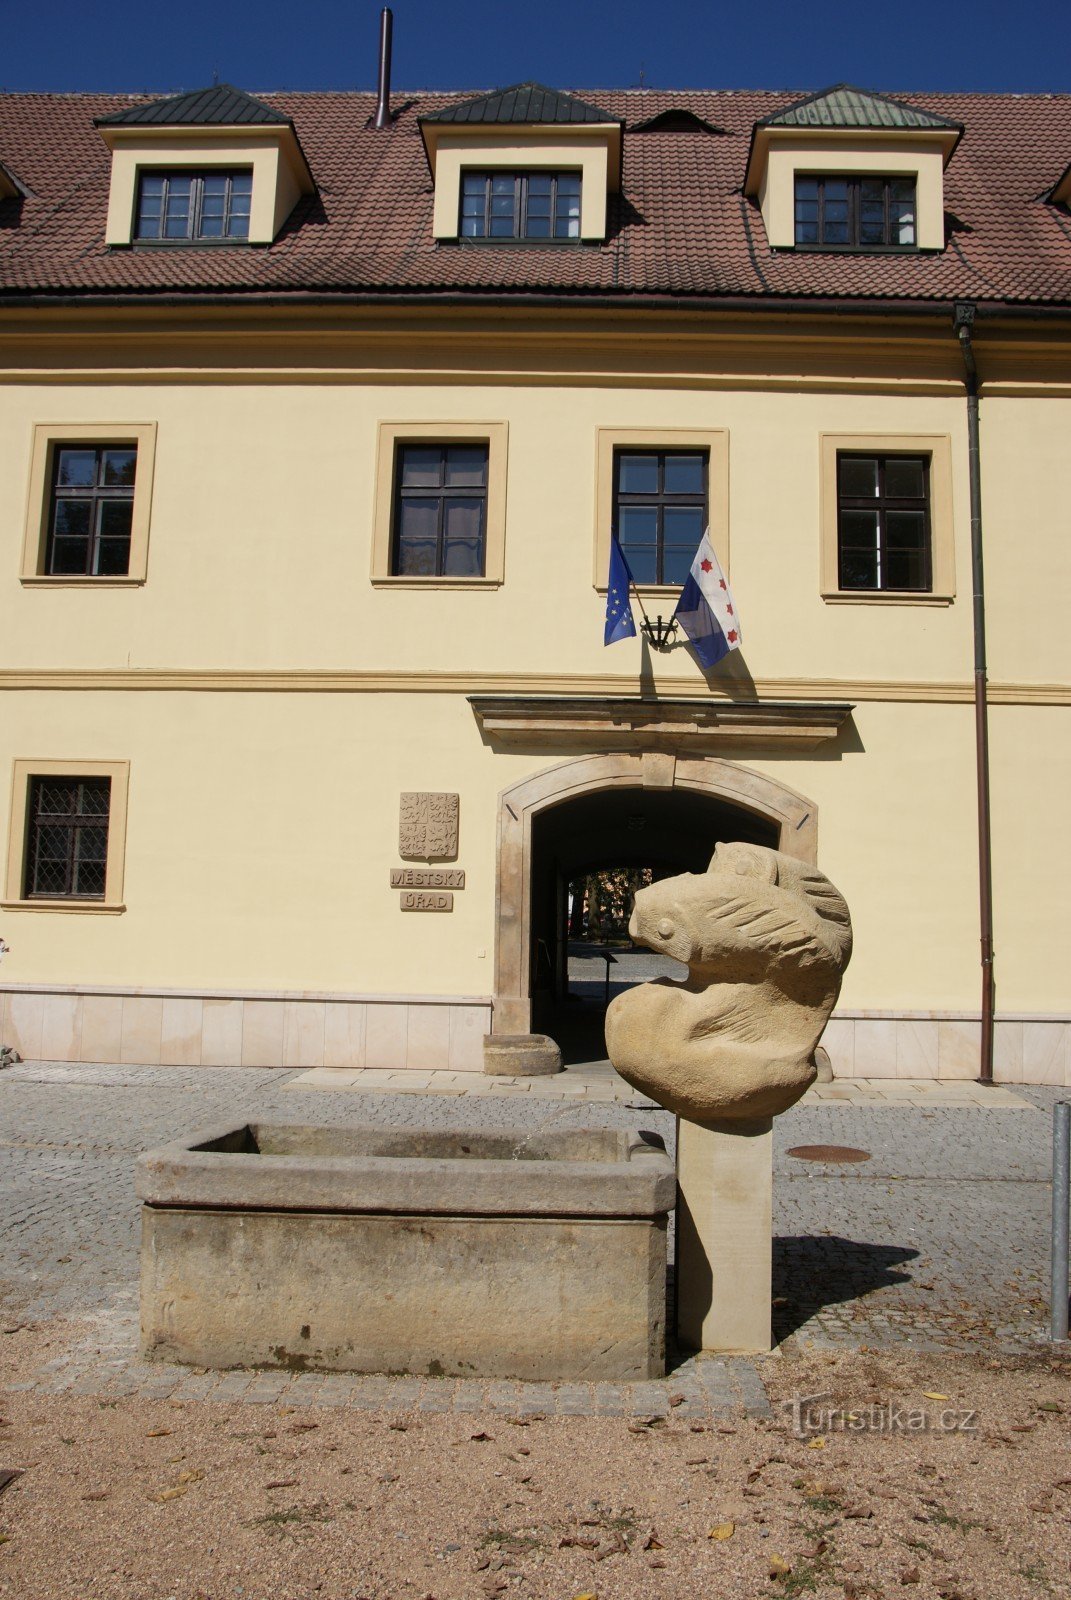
(520, 1055)
(724, 1236)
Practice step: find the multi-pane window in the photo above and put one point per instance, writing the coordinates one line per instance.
(90, 509)
(67, 838)
(440, 510)
(520, 205)
(660, 511)
(883, 522)
(855, 213)
(194, 205)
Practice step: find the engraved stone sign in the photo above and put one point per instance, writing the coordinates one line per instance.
(427, 878)
(427, 900)
(428, 827)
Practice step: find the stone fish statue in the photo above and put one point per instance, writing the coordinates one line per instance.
(766, 939)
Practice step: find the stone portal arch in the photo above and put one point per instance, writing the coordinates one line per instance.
(795, 817)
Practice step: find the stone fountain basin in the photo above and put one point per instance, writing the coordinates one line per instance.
(502, 1254)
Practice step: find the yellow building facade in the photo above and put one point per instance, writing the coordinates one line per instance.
(262, 686)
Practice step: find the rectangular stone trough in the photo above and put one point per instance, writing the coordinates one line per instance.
(506, 1254)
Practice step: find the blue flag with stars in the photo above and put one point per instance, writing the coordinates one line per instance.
(619, 623)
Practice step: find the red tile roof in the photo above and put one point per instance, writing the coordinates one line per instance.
(680, 227)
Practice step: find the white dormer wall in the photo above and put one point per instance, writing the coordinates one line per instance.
(280, 176)
(782, 155)
(591, 149)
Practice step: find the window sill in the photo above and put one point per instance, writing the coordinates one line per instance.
(383, 581)
(96, 908)
(650, 591)
(46, 580)
(885, 597)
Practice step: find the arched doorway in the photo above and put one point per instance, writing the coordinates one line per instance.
(686, 804)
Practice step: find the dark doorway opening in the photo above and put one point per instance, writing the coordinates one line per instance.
(586, 855)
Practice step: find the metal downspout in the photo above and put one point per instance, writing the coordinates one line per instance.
(963, 322)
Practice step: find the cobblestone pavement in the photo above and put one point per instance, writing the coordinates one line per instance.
(939, 1240)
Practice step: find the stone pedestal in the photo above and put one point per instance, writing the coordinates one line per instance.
(724, 1239)
(520, 1055)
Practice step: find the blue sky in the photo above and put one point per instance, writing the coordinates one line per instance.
(320, 44)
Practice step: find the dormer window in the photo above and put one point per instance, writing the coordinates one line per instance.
(213, 165)
(850, 170)
(194, 205)
(520, 205)
(850, 213)
(526, 162)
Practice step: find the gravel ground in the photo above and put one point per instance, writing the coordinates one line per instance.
(135, 1500)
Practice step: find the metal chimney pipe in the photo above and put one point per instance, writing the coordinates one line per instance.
(386, 28)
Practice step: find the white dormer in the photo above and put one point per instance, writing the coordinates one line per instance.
(525, 163)
(853, 171)
(211, 167)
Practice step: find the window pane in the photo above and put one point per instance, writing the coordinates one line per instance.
(421, 466)
(857, 476)
(904, 569)
(113, 550)
(119, 469)
(637, 525)
(642, 562)
(94, 796)
(807, 189)
(684, 526)
(905, 531)
(73, 518)
(472, 227)
(858, 569)
(215, 185)
(539, 187)
(904, 478)
(902, 221)
(503, 185)
(536, 226)
(462, 538)
(68, 556)
(76, 469)
(89, 880)
(684, 474)
(676, 563)
(465, 465)
(418, 522)
(115, 518)
(92, 843)
(569, 185)
(637, 474)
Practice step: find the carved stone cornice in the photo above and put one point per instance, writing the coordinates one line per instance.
(624, 723)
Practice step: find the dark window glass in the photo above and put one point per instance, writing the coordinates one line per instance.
(440, 510)
(883, 522)
(194, 205)
(855, 213)
(520, 205)
(91, 510)
(660, 511)
(67, 839)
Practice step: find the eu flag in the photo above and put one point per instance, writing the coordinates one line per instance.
(619, 623)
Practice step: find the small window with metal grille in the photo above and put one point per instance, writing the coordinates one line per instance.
(520, 205)
(209, 207)
(883, 522)
(440, 510)
(67, 838)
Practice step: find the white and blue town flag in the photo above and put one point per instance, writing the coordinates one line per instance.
(705, 609)
(619, 620)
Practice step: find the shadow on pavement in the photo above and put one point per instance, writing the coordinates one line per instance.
(814, 1271)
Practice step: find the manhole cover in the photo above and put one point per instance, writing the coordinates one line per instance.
(828, 1152)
